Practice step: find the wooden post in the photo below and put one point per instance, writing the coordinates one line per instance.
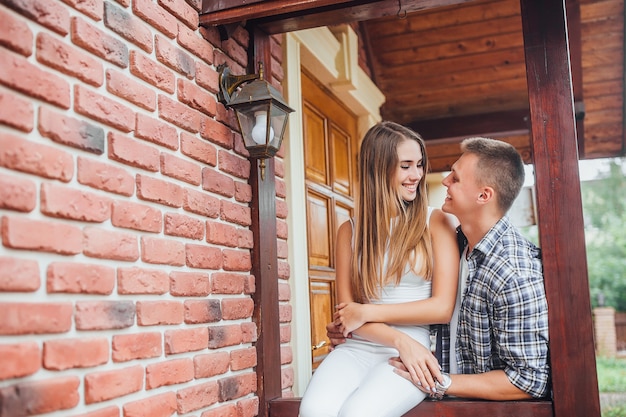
(264, 257)
(561, 231)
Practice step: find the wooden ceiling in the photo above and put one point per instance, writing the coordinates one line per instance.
(452, 68)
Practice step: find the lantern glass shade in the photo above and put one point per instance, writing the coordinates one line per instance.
(262, 115)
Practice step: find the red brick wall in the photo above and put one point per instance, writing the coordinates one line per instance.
(125, 286)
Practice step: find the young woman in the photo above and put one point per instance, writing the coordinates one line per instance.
(397, 260)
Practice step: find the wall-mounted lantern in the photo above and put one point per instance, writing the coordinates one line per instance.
(261, 112)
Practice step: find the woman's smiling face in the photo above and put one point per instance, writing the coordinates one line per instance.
(410, 169)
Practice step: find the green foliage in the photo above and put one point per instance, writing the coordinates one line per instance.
(611, 374)
(604, 209)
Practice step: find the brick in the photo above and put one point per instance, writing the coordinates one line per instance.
(162, 405)
(236, 213)
(286, 355)
(284, 291)
(250, 285)
(283, 270)
(197, 396)
(221, 336)
(248, 332)
(48, 13)
(281, 190)
(15, 34)
(234, 165)
(227, 283)
(242, 359)
(208, 78)
(92, 8)
(19, 359)
(181, 169)
(202, 311)
(186, 340)
(99, 43)
(171, 372)
(138, 280)
(221, 234)
(128, 347)
(39, 397)
(104, 176)
(22, 233)
(246, 239)
(72, 353)
(103, 109)
(133, 153)
(19, 275)
(285, 313)
(179, 114)
(16, 111)
(105, 244)
(198, 149)
(243, 192)
(211, 34)
(156, 16)
(35, 318)
(196, 98)
(235, 51)
(73, 204)
(189, 284)
(173, 57)
(183, 226)
(71, 61)
(136, 216)
(281, 229)
(216, 182)
(212, 364)
(201, 256)
(152, 72)
(159, 191)
(102, 386)
(17, 73)
(285, 334)
(152, 313)
(281, 209)
(112, 411)
(237, 386)
(286, 378)
(248, 407)
(130, 90)
(183, 11)
(282, 250)
(237, 308)
(236, 260)
(156, 131)
(217, 133)
(78, 278)
(162, 251)
(228, 410)
(127, 26)
(104, 315)
(188, 38)
(17, 193)
(70, 131)
(201, 203)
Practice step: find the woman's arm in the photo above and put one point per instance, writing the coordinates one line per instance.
(436, 309)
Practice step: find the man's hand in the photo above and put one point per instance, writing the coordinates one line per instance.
(333, 332)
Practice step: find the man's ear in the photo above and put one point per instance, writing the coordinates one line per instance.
(486, 194)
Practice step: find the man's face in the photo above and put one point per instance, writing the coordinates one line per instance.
(463, 191)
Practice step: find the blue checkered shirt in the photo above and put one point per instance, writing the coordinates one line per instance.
(503, 320)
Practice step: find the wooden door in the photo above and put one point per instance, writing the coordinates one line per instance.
(330, 137)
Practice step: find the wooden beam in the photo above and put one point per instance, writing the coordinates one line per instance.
(574, 381)
(497, 124)
(575, 51)
(265, 255)
(279, 16)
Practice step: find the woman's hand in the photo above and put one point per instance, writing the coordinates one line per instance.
(417, 364)
(349, 317)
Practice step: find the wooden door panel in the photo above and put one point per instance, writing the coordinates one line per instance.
(322, 302)
(319, 229)
(342, 214)
(315, 146)
(342, 156)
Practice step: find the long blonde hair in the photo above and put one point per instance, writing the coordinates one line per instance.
(385, 223)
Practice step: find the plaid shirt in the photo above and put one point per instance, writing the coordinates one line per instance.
(503, 320)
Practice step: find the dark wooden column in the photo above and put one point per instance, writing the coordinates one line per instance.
(560, 210)
(264, 255)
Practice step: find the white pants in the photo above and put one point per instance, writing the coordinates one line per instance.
(356, 380)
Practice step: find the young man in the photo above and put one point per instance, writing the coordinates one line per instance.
(501, 323)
